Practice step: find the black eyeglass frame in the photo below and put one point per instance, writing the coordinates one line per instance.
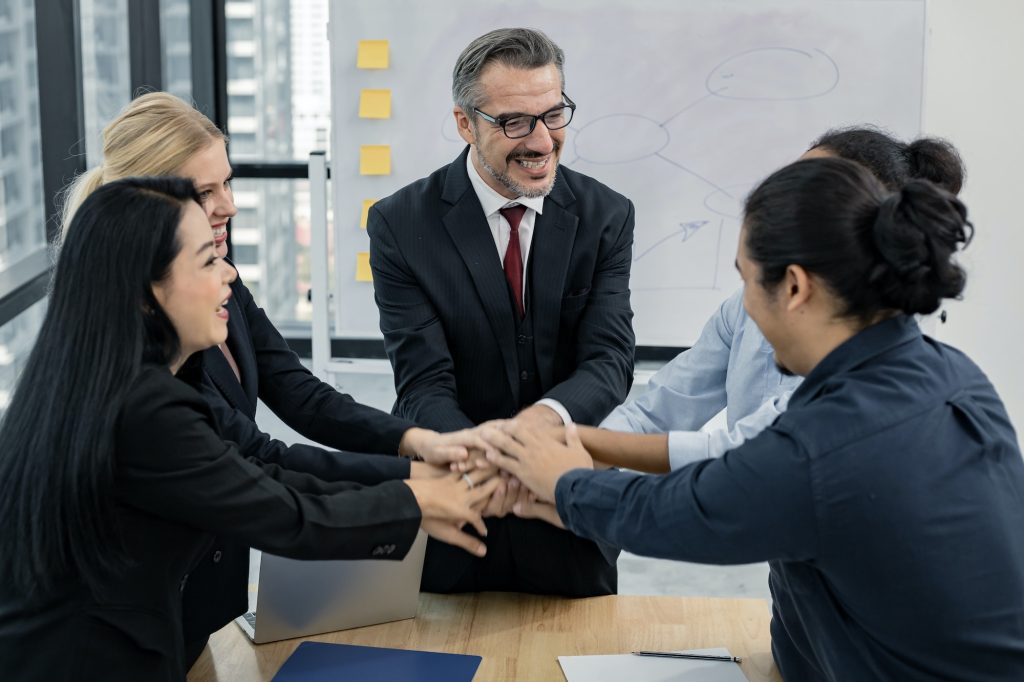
(502, 122)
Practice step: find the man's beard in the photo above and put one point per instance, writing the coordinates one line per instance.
(514, 187)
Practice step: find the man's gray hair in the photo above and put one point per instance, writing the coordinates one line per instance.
(518, 48)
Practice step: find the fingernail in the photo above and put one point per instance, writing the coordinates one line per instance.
(481, 550)
(517, 508)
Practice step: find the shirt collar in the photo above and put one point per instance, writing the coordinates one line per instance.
(855, 351)
(491, 201)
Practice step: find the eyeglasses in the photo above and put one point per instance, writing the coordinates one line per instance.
(522, 125)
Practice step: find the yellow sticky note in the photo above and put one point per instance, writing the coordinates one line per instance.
(363, 272)
(375, 159)
(375, 104)
(373, 54)
(367, 203)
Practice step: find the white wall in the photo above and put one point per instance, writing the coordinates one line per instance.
(974, 96)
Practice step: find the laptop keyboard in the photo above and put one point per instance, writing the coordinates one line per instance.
(250, 618)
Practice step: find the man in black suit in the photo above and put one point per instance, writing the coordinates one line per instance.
(503, 287)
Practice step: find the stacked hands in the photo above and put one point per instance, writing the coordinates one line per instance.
(498, 468)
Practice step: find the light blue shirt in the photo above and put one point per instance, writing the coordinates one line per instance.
(731, 366)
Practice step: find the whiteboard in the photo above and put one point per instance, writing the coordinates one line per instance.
(683, 106)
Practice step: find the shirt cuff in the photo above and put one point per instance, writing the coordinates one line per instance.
(687, 447)
(558, 407)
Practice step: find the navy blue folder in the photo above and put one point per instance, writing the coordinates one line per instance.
(323, 662)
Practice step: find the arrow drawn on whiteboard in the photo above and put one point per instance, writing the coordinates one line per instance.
(685, 231)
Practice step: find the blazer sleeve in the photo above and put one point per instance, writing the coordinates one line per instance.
(171, 463)
(605, 341)
(307, 404)
(756, 503)
(413, 336)
(235, 426)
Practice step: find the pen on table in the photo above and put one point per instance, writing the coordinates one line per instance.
(694, 657)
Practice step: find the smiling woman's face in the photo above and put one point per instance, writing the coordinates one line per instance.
(210, 172)
(196, 290)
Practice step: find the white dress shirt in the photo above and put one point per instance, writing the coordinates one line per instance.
(492, 203)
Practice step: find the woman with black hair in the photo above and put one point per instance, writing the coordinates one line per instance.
(889, 498)
(113, 479)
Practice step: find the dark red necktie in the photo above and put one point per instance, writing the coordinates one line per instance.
(513, 262)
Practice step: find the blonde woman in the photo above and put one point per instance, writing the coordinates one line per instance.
(159, 134)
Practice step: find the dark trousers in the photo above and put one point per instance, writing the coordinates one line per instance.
(523, 555)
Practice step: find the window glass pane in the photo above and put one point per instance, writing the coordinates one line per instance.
(278, 74)
(106, 76)
(175, 37)
(22, 219)
(16, 339)
(270, 245)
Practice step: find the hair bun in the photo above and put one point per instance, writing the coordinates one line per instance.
(934, 159)
(916, 232)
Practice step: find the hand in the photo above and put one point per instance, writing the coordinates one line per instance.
(506, 497)
(532, 508)
(539, 416)
(476, 458)
(536, 457)
(439, 448)
(449, 503)
(421, 470)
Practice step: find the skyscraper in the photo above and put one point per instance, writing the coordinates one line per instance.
(259, 123)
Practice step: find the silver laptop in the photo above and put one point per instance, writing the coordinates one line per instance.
(300, 598)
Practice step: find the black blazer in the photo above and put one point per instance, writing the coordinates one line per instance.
(217, 589)
(271, 372)
(444, 305)
(176, 483)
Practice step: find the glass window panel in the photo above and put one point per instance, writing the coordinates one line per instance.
(22, 218)
(245, 253)
(242, 106)
(106, 75)
(278, 75)
(241, 28)
(16, 340)
(175, 44)
(243, 146)
(241, 69)
(8, 42)
(270, 245)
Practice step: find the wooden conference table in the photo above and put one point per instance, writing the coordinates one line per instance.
(520, 636)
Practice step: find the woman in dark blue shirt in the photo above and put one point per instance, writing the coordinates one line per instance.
(889, 499)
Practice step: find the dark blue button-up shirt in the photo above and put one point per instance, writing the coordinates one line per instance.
(889, 501)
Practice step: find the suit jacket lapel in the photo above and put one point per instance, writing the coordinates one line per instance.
(554, 233)
(240, 342)
(467, 226)
(220, 372)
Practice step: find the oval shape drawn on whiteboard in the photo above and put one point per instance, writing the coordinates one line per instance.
(774, 73)
(620, 138)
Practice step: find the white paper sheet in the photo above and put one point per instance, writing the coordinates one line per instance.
(630, 668)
